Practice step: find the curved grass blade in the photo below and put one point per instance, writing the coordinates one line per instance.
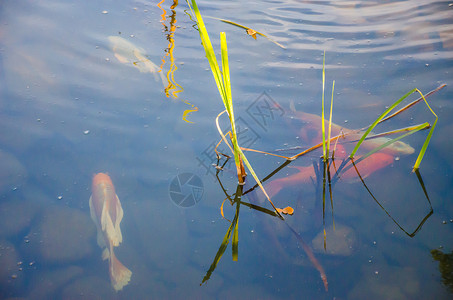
(357, 146)
(414, 102)
(428, 138)
(418, 128)
(250, 31)
(388, 214)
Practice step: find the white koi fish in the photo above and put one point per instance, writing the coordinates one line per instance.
(128, 53)
(107, 213)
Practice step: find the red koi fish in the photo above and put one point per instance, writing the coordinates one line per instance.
(106, 212)
(365, 167)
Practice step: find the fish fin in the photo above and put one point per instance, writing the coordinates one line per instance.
(292, 106)
(163, 78)
(142, 63)
(119, 217)
(105, 216)
(156, 76)
(121, 58)
(119, 274)
(100, 237)
(105, 254)
(92, 214)
(108, 226)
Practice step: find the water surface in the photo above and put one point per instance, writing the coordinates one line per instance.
(69, 109)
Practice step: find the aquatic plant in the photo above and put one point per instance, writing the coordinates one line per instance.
(382, 118)
(250, 31)
(236, 198)
(326, 142)
(445, 267)
(324, 171)
(222, 79)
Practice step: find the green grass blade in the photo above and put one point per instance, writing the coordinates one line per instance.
(226, 238)
(235, 241)
(428, 138)
(357, 146)
(249, 167)
(418, 128)
(424, 147)
(330, 122)
(210, 54)
(222, 79)
(322, 105)
(219, 254)
(248, 28)
(223, 84)
(226, 74)
(228, 101)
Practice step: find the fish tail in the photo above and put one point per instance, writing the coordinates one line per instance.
(119, 274)
(312, 257)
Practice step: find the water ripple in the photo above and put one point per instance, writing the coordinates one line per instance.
(397, 29)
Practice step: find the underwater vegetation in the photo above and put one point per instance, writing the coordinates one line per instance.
(445, 267)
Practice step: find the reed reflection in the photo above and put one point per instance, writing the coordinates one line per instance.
(172, 89)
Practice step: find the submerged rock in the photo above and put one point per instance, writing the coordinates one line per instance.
(16, 216)
(88, 288)
(47, 283)
(12, 172)
(387, 282)
(161, 230)
(10, 274)
(340, 241)
(62, 235)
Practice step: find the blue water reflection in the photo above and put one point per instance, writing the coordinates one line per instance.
(69, 108)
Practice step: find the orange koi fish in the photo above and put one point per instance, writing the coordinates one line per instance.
(312, 132)
(365, 167)
(107, 213)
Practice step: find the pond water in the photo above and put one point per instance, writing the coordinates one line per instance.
(72, 106)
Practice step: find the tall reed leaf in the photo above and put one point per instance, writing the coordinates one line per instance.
(224, 86)
(222, 80)
(322, 105)
(330, 123)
